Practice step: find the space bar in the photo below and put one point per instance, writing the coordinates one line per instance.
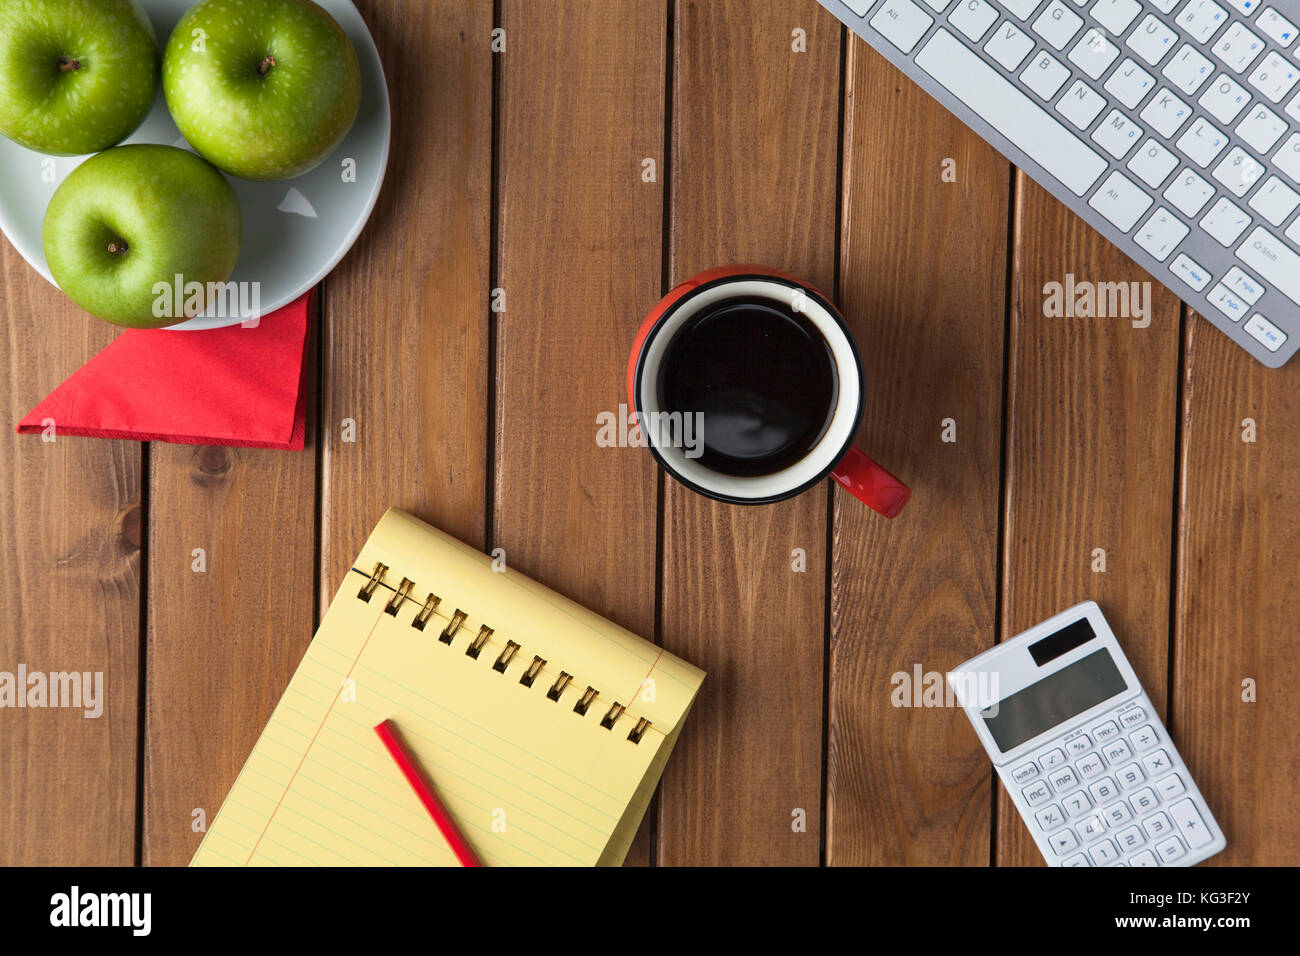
(1011, 112)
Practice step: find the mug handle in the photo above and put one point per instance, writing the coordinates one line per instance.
(871, 483)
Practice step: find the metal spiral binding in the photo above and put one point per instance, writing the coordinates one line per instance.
(475, 648)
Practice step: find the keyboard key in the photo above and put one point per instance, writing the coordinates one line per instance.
(1036, 793)
(1104, 852)
(1130, 84)
(1130, 839)
(1057, 24)
(860, 7)
(1024, 9)
(1131, 718)
(1063, 842)
(1143, 802)
(1202, 143)
(1063, 780)
(1293, 108)
(1025, 772)
(1009, 45)
(1091, 765)
(1190, 272)
(1225, 222)
(1090, 827)
(1266, 333)
(1117, 134)
(1157, 764)
(1117, 752)
(1201, 18)
(1287, 158)
(1238, 48)
(1274, 77)
(1225, 98)
(938, 6)
(1170, 787)
(1079, 745)
(1045, 75)
(1166, 113)
(902, 23)
(1081, 105)
(1094, 53)
(1277, 27)
(1244, 286)
(1170, 850)
(1188, 69)
(1152, 164)
(1076, 804)
(1103, 732)
(1050, 817)
(1048, 143)
(1161, 234)
(1145, 737)
(1116, 15)
(1274, 261)
(1152, 40)
(1103, 790)
(1164, 6)
(1189, 193)
(973, 18)
(1239, 172)
(1227, 303)
(1261, 129)
(1120, 201)
(1157, 825)
(1145, 858)
(1190, 823)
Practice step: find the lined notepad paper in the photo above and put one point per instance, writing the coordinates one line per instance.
(529, 780)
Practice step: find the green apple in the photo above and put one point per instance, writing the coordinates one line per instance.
(76, 76)
(264, 89)
(129, 225)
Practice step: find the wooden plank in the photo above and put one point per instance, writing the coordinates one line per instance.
(752, 180)
(580, 262)
(406, 316)
(1092, 425)
(1237, 602)
(910, 784)
(223, 641)
(70, 562)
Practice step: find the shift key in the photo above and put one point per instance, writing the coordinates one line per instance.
(1274, 261)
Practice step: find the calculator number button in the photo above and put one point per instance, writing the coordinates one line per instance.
(1077, 860)
(1117, 814)
(1025, 772)
(1050, 817)
(1104, 852)
(1157, 825)
(1157, 764)
(1036, 794)
(1064, 842)
(1104, 732)
(1131, 776)
(1103, 789)
(1144, 738)
(1091, 827)
(1076, 804)
(1130, 838)
(1144, 800)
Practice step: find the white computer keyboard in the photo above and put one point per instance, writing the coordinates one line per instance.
(1172, 126)
(1081, 750)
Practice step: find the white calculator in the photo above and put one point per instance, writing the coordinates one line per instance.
(1081, 750)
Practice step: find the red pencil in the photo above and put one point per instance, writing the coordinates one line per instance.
(459, 845)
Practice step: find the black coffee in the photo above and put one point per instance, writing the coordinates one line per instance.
(763, 377)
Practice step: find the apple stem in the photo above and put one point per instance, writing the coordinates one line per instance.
(118, 247)
(265, 68)
(68, 65)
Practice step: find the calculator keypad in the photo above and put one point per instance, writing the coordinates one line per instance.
(1112, 795)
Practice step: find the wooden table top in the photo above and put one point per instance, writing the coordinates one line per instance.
(612, 150)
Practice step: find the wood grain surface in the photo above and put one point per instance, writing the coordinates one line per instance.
(517, 180)
(910, 784)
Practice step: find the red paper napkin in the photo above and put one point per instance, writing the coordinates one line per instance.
(239, 386)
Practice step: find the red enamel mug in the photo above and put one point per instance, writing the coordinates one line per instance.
(669, 342)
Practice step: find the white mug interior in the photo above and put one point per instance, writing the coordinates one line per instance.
(821, 458)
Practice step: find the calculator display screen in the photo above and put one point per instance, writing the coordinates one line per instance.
(1053, 700)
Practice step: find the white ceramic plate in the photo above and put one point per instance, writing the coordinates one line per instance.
(295, 231)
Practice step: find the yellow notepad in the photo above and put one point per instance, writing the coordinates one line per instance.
(529, 779)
